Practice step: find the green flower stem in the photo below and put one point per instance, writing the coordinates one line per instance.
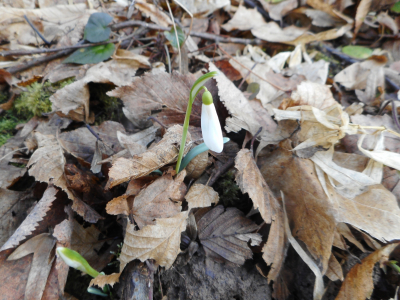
(193, 93)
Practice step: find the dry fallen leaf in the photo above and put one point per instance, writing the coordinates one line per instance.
(9, 174)
(41, 246)
(334, 271)
(197, 165)
(225, 234)
(164, 152)
(32, 220)
(101, 280)
(159, 242)
(154, 13)
(362, 11)
(200, 195)
(161, 199)
(151, 92)
(358, 284)
(244, 19)
(137, 143)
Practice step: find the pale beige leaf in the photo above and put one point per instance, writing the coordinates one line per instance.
(204, 7)
(272, 32)
(362, 11)
(73, 99)
(161, 199)
(250, 181)
(244, 19)
(278, 10)
(9, 174)
(159, 242)
(140, 60)
(322, 36)
(201, 195)
(384, 19)
(164, 152)
(197, 165)
(334, 271)
(154, 13)
(344, 230)
(101, 280)
(319, 18)
(359, 284)
(313, 94)
(243, 116)
(31, 221)
(53, 22)
(137, 143)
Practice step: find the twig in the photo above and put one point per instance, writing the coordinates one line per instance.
(94, 133)
(158, 121)
(222, 170)
(77, 46)
(254, 138)
(168, 58)
(206, 36)
(259, 9)
(36, 30)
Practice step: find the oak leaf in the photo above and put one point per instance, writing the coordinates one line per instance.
(164, 152)
(160, 242)
(225, 234)
(200, 195)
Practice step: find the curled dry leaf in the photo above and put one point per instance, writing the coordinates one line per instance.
(201, 195)
(161, 199)
(9, 174)
(359, 284)
(164, 152)
(362, 11)
(334, 271)
(156, 15)
(244, 19)
(73, 99)
(250, 181)
(160, 242)
(137, 143)
(32, 220)
(225, 234)
(313, 94)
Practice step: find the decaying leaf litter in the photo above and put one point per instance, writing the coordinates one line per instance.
(303, 202)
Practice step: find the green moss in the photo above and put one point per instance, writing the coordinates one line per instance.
(228, 190)
(36, 100)
(105, 107)
(7, 124)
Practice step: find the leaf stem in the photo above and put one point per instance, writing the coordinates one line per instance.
(197, 86)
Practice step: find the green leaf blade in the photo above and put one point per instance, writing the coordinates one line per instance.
(358, 52)
(96, 29)
(171, 36)
(91, 55)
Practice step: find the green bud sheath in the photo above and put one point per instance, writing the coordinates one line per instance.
(207, 97)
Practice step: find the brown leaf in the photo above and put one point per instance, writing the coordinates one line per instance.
(313, 94)
(101, 280)
(5, 77)
(225, 234)
(81, 142)
(230, 72)
(250, 181)
(155, 14)
(137, 143)
(164, 152)
(272, 32)
(358, 284)
(9, 174)
(310, 213)
(244, 19)
(200, 195)
(35, 216)
(159, 242)
(47, 165)
(13, 207)
(41, 246)
(334, 271)
(156, 200)
(278, 10)
(197, 165)
(152, 92)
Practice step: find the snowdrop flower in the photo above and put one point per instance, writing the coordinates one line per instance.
(76, 261)
(210, 126)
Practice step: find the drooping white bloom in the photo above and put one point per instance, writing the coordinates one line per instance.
(211, 128)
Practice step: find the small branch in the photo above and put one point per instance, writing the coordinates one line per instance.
(77, 46)
(254, 138)
(36, 30)
(221, 171)
(206, 36)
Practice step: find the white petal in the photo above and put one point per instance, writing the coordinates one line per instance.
(211, 128)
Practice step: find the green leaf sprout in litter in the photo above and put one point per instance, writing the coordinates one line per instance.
(170, 35)
(91, 55)
(96, 29)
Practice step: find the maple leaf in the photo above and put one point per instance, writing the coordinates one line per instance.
(224, 234)
(164, 152)
(159, 242)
